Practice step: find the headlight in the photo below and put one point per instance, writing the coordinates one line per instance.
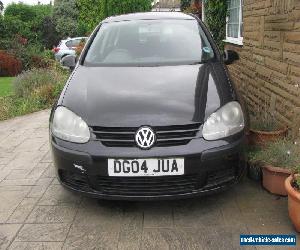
(69, 127)
(227, 121)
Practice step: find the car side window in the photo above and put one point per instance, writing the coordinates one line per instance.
(69, 44)
(75, 43)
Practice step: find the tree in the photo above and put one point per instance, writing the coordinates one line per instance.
(215, 18)
(65, 16)
(92, 12)
(20, 11)
(25, 20)
(50, 36)
(184, 4)
(1, 7)
(116, 7)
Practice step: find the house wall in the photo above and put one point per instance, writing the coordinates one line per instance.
(269, 65)
(169, 3)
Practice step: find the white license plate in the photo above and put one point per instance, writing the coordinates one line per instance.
(146, 167)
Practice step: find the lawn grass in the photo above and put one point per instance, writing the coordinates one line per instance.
(6, 86)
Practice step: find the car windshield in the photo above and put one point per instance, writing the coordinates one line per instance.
(149, 43)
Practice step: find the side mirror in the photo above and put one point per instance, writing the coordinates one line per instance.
(230, 56)
(69, 61)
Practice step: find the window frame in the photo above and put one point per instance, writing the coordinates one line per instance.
(236, 40)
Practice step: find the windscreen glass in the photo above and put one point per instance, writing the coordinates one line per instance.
(149, 43)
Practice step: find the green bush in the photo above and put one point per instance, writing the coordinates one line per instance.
(92, 12)
(31, 55)
(12, 107)
(185, 4)
(48, 54)
(37, 81)
(25, 20)
(215, 18)
(33, 90)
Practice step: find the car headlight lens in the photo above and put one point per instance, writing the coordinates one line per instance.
(69, 127)
(227, 121)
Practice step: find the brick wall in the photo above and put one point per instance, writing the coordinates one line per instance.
(269, 62)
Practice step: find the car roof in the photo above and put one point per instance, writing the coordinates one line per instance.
(76, 38)
(149, 16)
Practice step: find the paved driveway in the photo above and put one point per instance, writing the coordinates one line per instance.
(37, 213)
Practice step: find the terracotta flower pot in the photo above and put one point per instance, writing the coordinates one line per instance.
(293, 203)
(261, 138)
(274, 179)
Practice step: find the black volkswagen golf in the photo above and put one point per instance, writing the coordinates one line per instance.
(149, 112)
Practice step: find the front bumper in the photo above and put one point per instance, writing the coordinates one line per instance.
(211, 170)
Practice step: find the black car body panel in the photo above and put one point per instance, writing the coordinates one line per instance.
(174, 98)
(151, 96)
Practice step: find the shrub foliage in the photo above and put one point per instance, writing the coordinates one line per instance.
(91, 12)
(37, 81)
(9, 65)
(185, 4)
(215, 17)
(34, 90)
(25, 20)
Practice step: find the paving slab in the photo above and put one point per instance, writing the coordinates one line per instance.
(10, 199)
(43, 232)
(22, 211)
(93, 239)
(57, 195)
(52, 214)
(7, 234)
(130, 230)
(35, 245)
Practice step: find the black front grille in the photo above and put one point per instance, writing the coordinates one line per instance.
(147, 186)
(175, 135)
(135, 186)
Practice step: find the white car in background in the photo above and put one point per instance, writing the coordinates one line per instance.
(67, 47)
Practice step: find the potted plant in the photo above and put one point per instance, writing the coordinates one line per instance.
(264, 127)
(292, 185)
(277, 161)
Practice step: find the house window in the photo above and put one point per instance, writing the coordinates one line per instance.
(234, 26)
